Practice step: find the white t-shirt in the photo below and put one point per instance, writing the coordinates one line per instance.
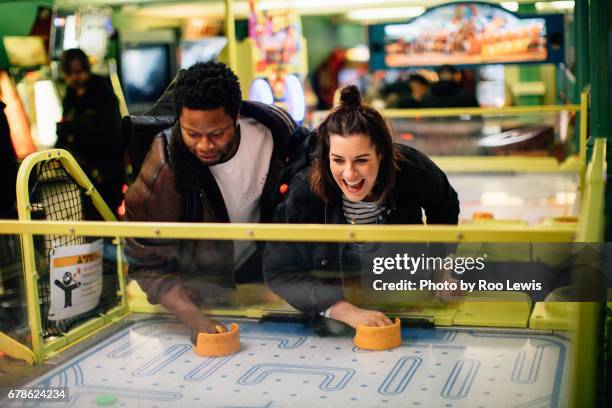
(242, 178)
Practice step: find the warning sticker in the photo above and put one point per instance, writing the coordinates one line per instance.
(76, 279)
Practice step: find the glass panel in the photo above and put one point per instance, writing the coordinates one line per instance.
(55, 196)
(13, 310)
(372, 277)
(539, 134)
(547, 134)
(77, 280)
(311, 276)
(152, 356)
(523, 198)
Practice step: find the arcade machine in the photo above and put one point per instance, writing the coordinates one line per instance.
(201, 41)
(31, 74)
(90, 29)
(148, 64)
(34, 69)
(516, 161)
(21, 134)
(19, 125)
(482, 350)
(23, 89)
(37, 77)
(272, 60)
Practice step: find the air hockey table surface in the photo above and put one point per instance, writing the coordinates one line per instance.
(151, 363)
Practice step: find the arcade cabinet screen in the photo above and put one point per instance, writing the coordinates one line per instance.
(467, 34)
(145, 70)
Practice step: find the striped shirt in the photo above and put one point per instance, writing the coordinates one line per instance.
(361, 212)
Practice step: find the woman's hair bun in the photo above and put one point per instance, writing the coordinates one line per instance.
(350, 97)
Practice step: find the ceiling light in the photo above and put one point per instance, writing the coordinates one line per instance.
(274, 4)
(555, 5)
(322, 4)
(510, 5)
(359, 53)
(562, 5)
(396, 13)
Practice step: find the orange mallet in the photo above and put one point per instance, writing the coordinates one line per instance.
(379, 338)
(218, 344)
(482, 216)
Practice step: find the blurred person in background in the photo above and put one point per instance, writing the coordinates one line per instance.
(90, 126)
(419, 88)
(448, 91)
(407, 92)
(8, 168)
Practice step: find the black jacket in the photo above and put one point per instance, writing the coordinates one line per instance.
(173, 186)
(91, 123)
(8, 168)
(306, 274)
(449, 94)
(90, 130)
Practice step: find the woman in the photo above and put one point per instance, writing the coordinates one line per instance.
(359, 176)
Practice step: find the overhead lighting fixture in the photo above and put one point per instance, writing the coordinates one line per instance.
(555, 5)
(48, 112)
(359, 53)
(322, 4)
(563, 5)
(216, 10)
(510, 5)
(395, 13)
(274, 4)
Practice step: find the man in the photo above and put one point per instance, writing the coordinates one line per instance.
(221, 162)
(419, 87)
(448, 92)
(90, 126)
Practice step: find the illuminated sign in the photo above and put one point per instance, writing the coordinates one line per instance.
(467, 34)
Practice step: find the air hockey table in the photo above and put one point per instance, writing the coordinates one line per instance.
(531, 198)
(531, 193)
(150, 362)
(444, 136)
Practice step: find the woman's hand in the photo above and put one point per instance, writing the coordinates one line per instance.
(447, 296)
(354, 316)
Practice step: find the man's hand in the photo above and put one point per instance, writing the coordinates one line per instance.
(178, 302)
(207, 325)
(354, 316)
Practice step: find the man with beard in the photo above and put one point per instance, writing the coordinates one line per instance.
(90, 126)
(223, 161)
